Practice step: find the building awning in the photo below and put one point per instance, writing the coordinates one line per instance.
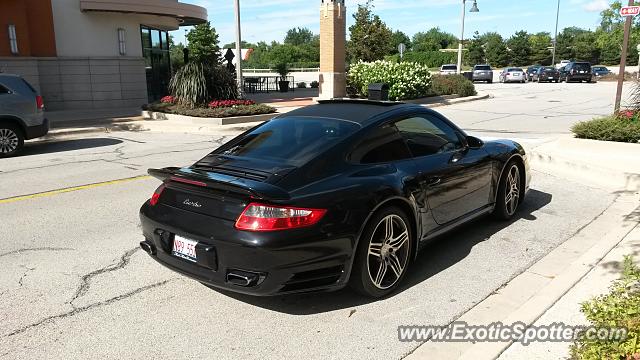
(186, 14)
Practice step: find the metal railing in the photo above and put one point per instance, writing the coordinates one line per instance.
(257, 71)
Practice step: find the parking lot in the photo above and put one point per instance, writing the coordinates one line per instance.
(76, 285)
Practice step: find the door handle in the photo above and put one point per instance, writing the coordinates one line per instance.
(434, 181)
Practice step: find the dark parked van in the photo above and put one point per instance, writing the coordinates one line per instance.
(576, 71)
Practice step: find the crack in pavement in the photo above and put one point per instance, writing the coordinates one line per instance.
(85, 283)
(85, 308)
(20, 251)
(24, 275)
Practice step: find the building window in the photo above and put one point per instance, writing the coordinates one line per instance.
(122, 41)
(13, 39)
(155, 50)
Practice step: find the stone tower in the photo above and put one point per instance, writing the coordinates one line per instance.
(333, 37)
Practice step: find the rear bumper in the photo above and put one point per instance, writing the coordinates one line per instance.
(482, 77)
(579, 77)
(281, 262)
(32, 132)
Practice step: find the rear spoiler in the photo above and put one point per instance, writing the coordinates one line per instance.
(252, 188)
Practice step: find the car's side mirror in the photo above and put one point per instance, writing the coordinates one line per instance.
(474, 142)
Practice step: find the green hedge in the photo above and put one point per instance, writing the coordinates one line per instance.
(452, 84)
(432, 59)
(620, 308)
(222, 112)
(612, 128)
(406, 80)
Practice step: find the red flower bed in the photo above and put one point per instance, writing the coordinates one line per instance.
(229, 103)
(632, 115)
(168, 100)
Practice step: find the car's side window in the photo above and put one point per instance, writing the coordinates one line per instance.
(428, 135)
(4, 90)
(381, 145)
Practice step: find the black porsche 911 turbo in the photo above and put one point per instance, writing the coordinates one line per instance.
(342, 192)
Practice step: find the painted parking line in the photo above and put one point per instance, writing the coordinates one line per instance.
(72, 189)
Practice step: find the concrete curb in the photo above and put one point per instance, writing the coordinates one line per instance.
(529, 295)
(608, 165)
(459, 100)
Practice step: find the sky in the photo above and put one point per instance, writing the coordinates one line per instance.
(268, 20)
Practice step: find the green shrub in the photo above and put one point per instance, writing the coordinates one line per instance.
(611, 128)
(302, 85)
(432, 59)
(219, 112)
(620, 308)
(197, 84)
(314, 85)
(406, 80)
(452, 84)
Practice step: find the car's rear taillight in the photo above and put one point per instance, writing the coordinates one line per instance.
(261, 217)
(39, 102)
(156, 195)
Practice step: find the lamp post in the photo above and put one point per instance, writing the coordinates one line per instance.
(238, 50)
(474, 9)
(555, 37)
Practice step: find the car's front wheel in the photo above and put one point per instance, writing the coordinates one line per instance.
(11, 140)
(509, 191)
(383, 254)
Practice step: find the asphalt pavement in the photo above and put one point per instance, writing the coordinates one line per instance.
(74, 285)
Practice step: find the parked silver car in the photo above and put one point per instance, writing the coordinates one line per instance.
(21, 114)
(513, 74)
(482, 73)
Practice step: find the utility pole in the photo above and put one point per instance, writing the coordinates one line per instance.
(460, 46)
(555, 37)
(623, 58)
(239, 51)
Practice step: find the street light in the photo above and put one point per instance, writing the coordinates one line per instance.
(239, 50)
(474, 9)
(555, 37)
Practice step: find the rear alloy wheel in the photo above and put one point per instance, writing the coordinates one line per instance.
(508, 197)
(11, 140)
(383, 254)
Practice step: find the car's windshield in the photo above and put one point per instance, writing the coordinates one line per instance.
(549, 68)
(482, 67)
(449, 67)
(289, 140)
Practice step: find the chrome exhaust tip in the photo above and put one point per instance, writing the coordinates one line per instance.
(242, 278)
(147, 247)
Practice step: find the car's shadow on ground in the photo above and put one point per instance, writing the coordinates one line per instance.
(432, 259)
(56, 146)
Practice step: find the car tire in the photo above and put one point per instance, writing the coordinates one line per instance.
(509, 192)
(384, 250)
(489, 81)
(11, 140)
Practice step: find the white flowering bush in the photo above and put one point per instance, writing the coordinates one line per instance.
(406, 80)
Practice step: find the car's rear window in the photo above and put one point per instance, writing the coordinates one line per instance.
(29, 86)
(550, 68)
(290, 140)
(482, 67)
(582, 66)
(449, 67)
(598, 68)
(515, 69)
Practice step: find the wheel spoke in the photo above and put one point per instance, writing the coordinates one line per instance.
(399, 242)
(395, 265)
(388, 228)
(382, 271)
(375, 249)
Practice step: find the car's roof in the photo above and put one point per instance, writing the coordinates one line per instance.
(358, 111)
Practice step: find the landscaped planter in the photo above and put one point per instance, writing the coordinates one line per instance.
(193, 120)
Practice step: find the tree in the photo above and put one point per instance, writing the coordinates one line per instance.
(399, 38)
(540, 52)
(371, 39)
(434, 40)
(585, 48)
(298, 36)
(176, 54)
(520, 49)
(204, 44)
(475, 50)
(496, 50)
